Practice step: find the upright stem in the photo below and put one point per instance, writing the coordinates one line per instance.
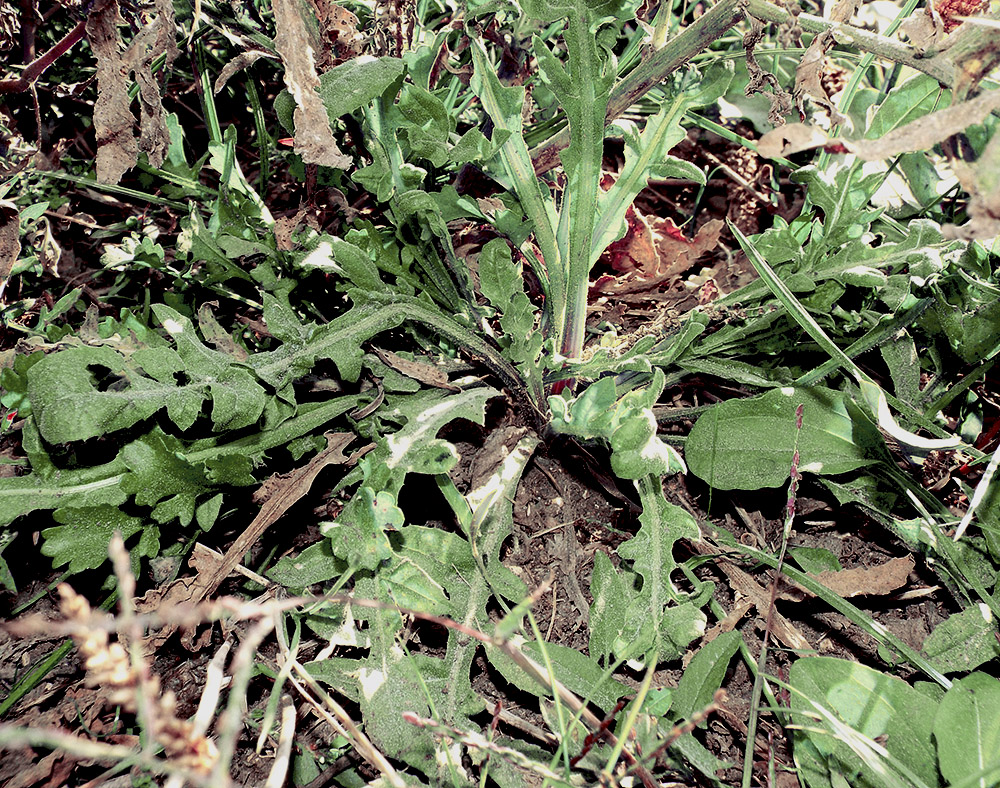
(688, 43)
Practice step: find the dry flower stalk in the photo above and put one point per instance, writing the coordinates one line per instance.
(109, 668)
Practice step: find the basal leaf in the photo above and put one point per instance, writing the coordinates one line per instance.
(427, 127)
(340, 341)
(645, 157)
(748, 444)
(964, 640)
(704, 675)
(81, 540)
(159, 473)
(314, 564)
(619, 625)
(358, 537)
(967, 730)
(872, 703)
(237, 397)
(651, 549)
(502, 282)
(85, 392)
(85, 487)
(633, 619)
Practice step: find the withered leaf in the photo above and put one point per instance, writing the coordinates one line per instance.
(114, 123)
(425, 373)
(869, 581)
(313, 137)
(10, 243)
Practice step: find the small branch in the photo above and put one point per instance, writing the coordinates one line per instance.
(692, 40)
(941, 70)
(35, 68)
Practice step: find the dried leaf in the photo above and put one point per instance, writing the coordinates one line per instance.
(10, 243)
(313, 138)
(868, 581)
(789, 139)
(809, 72)
(238, 63)
(341, 38)
(427, 374)
(672, 254)
(781, 100)
(113, 119)
(923, 30)
(982, 182)
(918, 135)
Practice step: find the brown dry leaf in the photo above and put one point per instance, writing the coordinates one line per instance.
(873, 581)
(113, 119)
(809, 72)
(284, 227)
(744, 583)
(238, 63)
(676, 252)
(789, 139)
(52, 770)
(341, 38)
(919, 135)
(10, 243)
(313, 137)
(781, 101)
(428, 374)
(672, 254)
(924, 31)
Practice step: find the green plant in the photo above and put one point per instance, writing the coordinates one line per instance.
(186, 407)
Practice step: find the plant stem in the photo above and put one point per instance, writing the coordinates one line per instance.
(661, 64)
(35, 68)
(939, 67)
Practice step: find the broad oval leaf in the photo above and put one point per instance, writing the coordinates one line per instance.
(748, 444)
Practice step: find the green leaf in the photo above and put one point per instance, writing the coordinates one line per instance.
(748, 444)
(346, 87)
(82, 538)
(160, 476)
(906, 102)
(315, 564)
(651, 549)
(503, 105)
(427, 125)
(577, 672)
(704, 675)
(967, 730)
(502, 282)
(69, 405)
(431, 563)
(963, 641)
(645, 157)
(615, 627)
(655, 618)
(237, 398)
(358, 537)
(872, 703)
(589, 415)
(583, 88)
(815, 559)
(86, 487)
